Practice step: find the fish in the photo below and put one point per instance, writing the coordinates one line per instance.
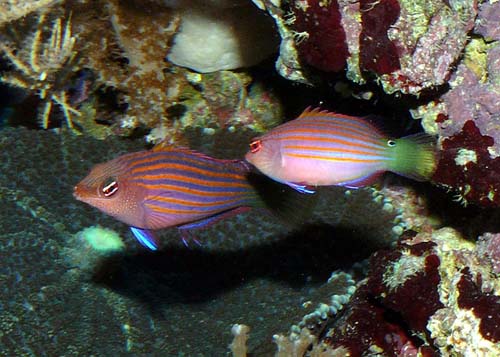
(167, 187)
(321, 148)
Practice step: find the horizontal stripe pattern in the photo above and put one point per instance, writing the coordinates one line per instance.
(182, 185)
(330, 138)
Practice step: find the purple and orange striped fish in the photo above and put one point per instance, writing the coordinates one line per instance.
(167, 187)
(320, 148)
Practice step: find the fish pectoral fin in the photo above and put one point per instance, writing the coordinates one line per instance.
(145, 237)
(301, 187)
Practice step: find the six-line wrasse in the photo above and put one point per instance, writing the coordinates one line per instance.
(320, 148)
(167, 187)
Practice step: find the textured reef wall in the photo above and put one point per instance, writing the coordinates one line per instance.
(401, 269)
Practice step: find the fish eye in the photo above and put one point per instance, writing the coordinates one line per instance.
(110, 187)
(391, 143)
(255, 146)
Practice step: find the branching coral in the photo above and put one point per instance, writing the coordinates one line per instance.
(44, 67)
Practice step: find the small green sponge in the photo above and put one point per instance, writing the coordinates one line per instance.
(102, 239)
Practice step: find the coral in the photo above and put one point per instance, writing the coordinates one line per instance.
(488, 248)
(102, 68)
(431, 294)
(288, 63)
(130, 60)
(11, 10)
(44, 67)
(465, 117)
(239, 345)
(407, 46)
(211, 39)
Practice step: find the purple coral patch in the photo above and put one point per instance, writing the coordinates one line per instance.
(477, 180)
(485, 306)
(377, 52)
(324, 46)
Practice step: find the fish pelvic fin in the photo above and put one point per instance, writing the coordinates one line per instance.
(145, 237)
(414, 156)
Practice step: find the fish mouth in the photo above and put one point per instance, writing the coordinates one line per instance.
(77, 193)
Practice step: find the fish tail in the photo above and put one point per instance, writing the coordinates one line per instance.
(282, 201)
(414, 156)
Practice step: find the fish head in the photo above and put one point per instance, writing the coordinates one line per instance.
(108, 189)
(265, 154)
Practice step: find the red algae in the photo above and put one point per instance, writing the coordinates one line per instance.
(377, 52)
(416, 298)
(320, 37)
(466, 165)
(396, 303)
(484, 305)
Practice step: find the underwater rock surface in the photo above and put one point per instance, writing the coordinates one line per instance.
(58, 296)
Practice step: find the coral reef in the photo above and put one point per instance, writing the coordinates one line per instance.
(433, 294)
(101, 68)
(74, 281)
(406, 46)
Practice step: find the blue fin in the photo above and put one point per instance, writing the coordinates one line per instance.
(300, 188)
(145, 237)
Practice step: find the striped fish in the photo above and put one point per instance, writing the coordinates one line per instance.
(320, 148)
(167, 187)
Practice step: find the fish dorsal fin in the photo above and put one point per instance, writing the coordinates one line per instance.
(367, 121)
(318, 112)
(238, 164)
(311, 111)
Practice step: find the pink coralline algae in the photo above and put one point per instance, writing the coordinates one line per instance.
(488, 246)
(467, 116)
(407, 46)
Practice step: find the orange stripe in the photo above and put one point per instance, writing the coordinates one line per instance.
(190, 203)
(186, 168)
(177, 211)
(186, 190)
(187, 179)
(333, 141)
(372, 140)
(304, 156)
(155, 157)
(317, 148)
